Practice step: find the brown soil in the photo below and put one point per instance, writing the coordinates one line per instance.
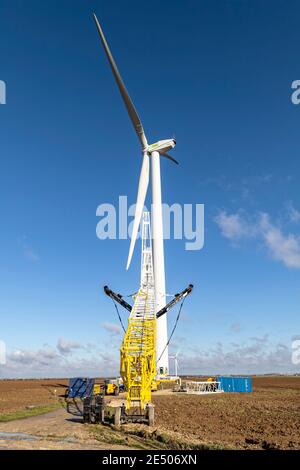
(267, 418)
(15, 395)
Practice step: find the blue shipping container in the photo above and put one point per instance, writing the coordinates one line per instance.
(80, 387)
(235, 384)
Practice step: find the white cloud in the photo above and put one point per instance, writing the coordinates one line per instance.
(48, 362)
(42, 358)
(65, 346)
(112, 328)
(256, 356)
(284, 248)
(281, 247)
(232, 226)
(293, 213)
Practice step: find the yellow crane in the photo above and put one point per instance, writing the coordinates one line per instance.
(138, 365)
(138, 350)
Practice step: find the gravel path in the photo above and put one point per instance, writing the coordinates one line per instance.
(57, 430)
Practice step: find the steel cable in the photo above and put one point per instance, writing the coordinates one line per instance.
(174, 328)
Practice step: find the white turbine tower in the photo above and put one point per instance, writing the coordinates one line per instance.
(152, 151)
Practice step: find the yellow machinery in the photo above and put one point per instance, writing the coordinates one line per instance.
(111, 387)
(97, 389)
(138, 351)
(138, 362)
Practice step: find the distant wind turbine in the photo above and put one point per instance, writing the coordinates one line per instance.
(175, 357)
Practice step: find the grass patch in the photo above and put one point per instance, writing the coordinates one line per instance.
(169, 441)
(111, 435)
(142, 438)
(22, 414)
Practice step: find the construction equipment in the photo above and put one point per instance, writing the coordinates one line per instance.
(93, 409)
(97, 389)
(140, 374)
(138, 351)
(80, 387)
(80, 392)
(117, 298)
(174, 301)
(152, 154)
(144, 351)
(202, 388)
(111, 387)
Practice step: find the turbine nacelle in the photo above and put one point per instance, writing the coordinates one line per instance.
(162, 146)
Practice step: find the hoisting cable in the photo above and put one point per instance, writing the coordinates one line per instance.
(120, 319)
(130, 295)
(174, 328)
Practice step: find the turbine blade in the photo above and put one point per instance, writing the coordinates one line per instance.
(124, 93)
(170, 158)
(141, 196)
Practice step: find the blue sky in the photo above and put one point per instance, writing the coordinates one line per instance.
(217, 75)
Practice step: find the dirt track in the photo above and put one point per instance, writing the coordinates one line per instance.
(55, 430)
(267, 418)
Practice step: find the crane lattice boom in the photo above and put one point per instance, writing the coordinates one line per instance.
(138, 351)
(138, 361)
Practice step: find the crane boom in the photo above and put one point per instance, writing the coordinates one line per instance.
(118, 298)
(138, 361)
(174, 301)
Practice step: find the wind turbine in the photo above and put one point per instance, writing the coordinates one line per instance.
(153, 152)
(175, 357)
